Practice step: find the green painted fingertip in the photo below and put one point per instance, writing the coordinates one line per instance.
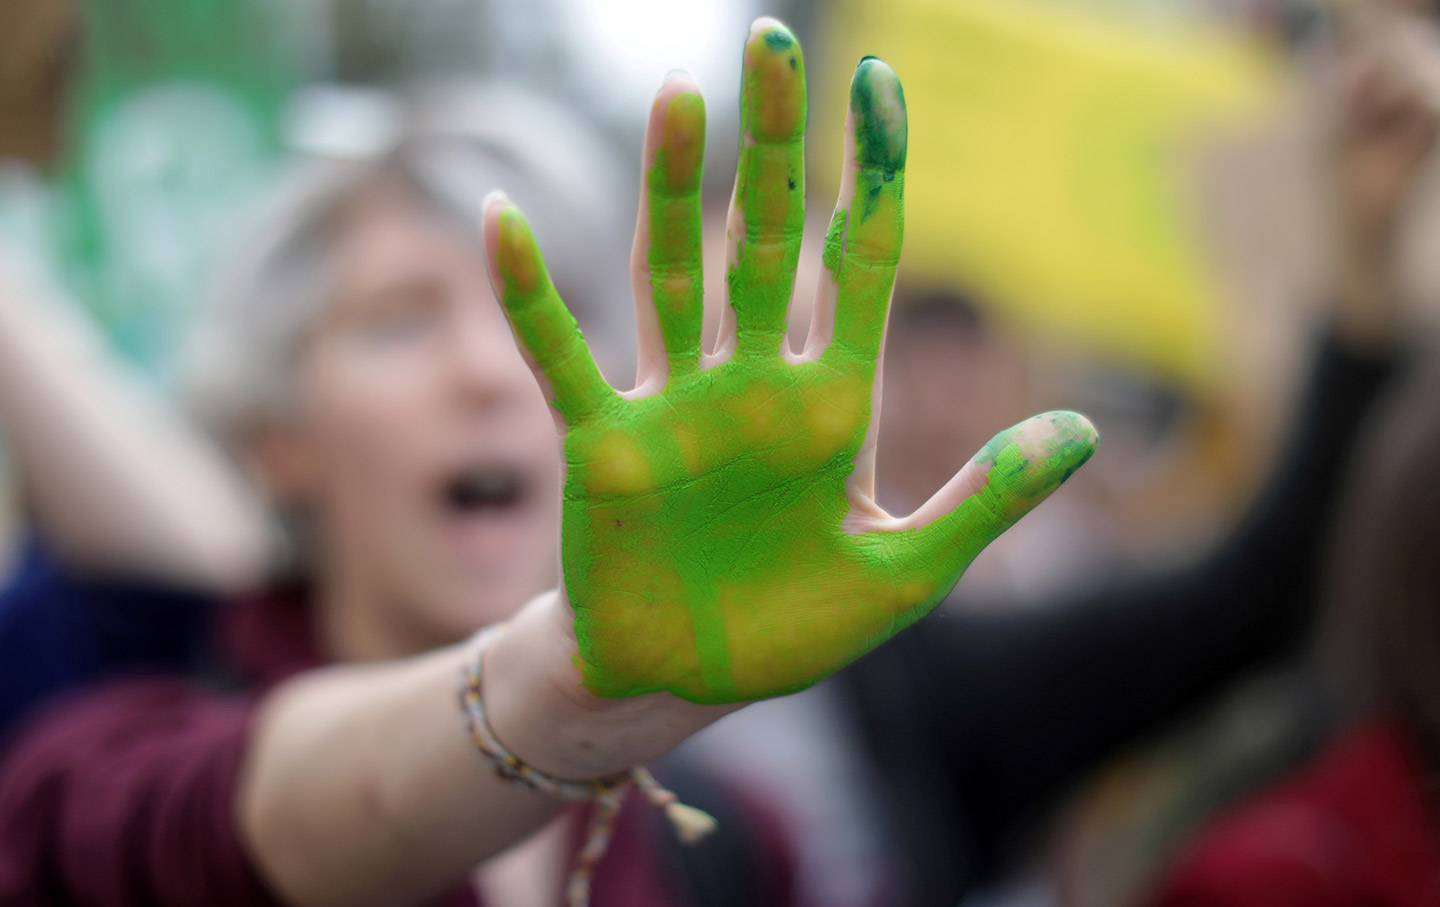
(1070, 447)
(1052, 446)
(516, 254)
(779, 39)
(772, 94)
(878, 105)
(680, 159)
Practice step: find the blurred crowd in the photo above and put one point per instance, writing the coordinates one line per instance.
(255, 389)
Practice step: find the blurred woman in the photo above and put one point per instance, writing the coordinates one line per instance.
(361, 361)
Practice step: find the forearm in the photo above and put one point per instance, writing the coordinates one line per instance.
(113, 479)
(362, 786)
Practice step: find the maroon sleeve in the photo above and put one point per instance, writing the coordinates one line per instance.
(126, 796)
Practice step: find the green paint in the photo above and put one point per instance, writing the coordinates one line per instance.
(777, 39)
(772, 160)
(704, 545)
(877, 105)
(545, 326)
(874, 226)
(835, 242)
(673, 183)
(174, 116)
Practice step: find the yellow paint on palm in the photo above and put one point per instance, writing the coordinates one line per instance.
(704, 547)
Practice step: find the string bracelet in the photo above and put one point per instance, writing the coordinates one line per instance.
(606, 793)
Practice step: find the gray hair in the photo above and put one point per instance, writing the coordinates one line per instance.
(456, 145)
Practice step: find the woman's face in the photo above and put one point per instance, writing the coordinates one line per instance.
(423, 446)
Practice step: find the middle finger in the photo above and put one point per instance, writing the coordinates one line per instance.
(767, 210)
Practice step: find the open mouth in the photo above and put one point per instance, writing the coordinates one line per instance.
(484, 491)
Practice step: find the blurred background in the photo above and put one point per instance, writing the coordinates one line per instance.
(1123, 207)
(1117, 191)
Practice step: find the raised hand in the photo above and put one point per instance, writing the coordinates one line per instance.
(1383, 118)
(720, 536)
(1384, 115)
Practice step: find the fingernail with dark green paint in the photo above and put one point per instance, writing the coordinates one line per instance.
(778, 40)
(777, 36)
(878, 103)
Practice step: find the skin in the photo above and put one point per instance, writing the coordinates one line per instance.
(113, 480)
(1382, 123)
(720, 537)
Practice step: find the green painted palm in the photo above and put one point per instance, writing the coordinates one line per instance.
(720, 536)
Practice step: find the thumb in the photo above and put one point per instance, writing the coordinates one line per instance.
(1018, 469)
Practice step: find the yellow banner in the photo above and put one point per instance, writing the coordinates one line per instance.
(1047, 170)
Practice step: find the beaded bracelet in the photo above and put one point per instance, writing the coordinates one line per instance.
(607, 793)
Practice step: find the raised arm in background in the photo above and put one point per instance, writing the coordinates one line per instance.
(114, 478)
(1062, 687)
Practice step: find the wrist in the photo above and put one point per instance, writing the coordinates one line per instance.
(540, 710)
(1364, 286)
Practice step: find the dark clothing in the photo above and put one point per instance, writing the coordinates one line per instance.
(125, 795)
(60, 629)
(984, 718)
(1355, 829)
